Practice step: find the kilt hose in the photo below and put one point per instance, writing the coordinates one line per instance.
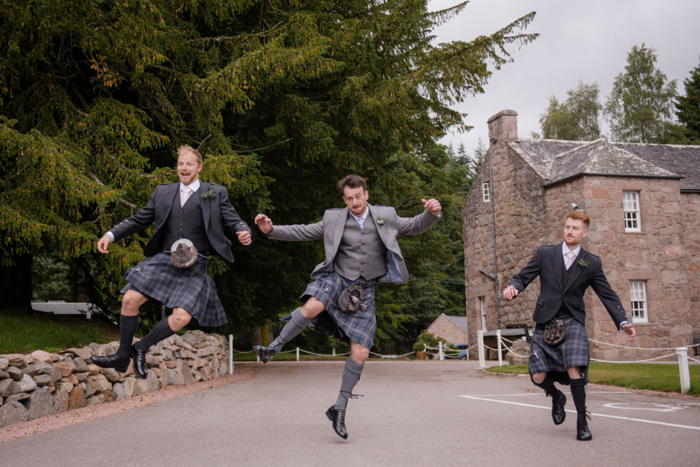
(360, 326)
(545, 358)
(191, 289)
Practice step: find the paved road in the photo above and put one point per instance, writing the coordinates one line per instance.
(413, 413)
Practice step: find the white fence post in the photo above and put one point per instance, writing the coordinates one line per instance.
(334, 352)
(297, 354)
(683, 369)
(441, 353)
(230, 354)
(480, 339)
(500, 354)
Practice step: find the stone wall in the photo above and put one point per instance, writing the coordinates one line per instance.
(41, 384)
(690, 215)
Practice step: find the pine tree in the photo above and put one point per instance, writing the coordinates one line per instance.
(688, 106)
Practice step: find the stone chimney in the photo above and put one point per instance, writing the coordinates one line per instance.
(503, 126)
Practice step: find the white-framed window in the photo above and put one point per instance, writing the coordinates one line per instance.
(638, 297)
(486, 190)
(482, 309)
(630, 203)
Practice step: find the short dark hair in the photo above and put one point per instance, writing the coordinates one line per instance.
(352, 181)
(580, 216)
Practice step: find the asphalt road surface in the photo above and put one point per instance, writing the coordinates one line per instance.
(412, 413)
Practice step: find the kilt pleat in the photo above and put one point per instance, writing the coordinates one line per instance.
(573, 352)
(191, 289)
(359, 327)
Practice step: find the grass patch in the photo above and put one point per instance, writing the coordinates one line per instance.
(24, 332)
(653, 376)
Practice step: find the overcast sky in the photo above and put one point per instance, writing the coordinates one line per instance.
(579, 40)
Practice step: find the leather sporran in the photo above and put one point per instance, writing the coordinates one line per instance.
(183, 253)
(350, 300)
(554, 332)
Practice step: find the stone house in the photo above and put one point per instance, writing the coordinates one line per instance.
(644, 205)
(451, 328)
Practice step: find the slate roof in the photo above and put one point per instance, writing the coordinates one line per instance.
(556, 161)
(459, 321)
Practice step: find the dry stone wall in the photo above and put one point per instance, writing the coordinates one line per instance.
(41, 383)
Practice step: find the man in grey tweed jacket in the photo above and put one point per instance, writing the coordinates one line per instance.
(361, 249)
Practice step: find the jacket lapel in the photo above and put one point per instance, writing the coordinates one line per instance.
(339, 228)
(558, 264)
(577, 270)
(206, 205)
(166, 203)
(381, 231)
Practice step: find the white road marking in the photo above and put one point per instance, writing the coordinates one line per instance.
(640, 420)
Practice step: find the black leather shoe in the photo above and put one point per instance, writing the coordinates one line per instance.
(582, 431)
(338, 419)
(265, 354)
(140, 367)
(558, 412)
(119, 361)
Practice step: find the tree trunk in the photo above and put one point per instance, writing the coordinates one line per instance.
(16, 284)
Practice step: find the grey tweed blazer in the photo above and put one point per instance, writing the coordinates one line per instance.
(330, 229)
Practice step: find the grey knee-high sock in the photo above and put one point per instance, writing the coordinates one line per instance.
(578, 392)
(159, 332)
(548, 386)
(351, 375)
(127, 329)
(290, 330)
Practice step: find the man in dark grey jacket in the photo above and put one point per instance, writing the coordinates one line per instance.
(566, 271)
(361, 249)
(191, 210)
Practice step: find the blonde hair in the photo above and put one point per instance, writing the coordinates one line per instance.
(185, 149)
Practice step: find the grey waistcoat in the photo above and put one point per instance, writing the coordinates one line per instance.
(186, 222)
(361, 253)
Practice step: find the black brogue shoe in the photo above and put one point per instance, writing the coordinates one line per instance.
(119, 361)
(265, 354)
(558, 412)
(140, 366)
(337, 417)
(582, 431)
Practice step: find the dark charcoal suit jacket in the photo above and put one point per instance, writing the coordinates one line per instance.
(548, 263)
(217, 211)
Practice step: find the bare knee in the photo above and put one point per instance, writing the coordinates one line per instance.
(131, 302)
(574, 372)
(179, 319)
(312, 308)
(537, 378)
(358, 353)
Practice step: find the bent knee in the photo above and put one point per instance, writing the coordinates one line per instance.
(312, 308)
(537, 378)
(179, 319)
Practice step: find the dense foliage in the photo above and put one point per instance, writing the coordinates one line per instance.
(282, 97)
(575, 119)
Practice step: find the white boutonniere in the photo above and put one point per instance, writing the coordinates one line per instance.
(380, 221)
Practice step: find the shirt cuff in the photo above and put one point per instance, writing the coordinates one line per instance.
(111, 236)
(623, 323)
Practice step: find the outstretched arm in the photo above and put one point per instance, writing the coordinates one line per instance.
(422, 222)
(130, 225)
(611, 302)
(298, 232)
(521, 280)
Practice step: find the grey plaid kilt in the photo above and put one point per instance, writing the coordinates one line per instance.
(191, 289)
(545, 358)
(358, 327)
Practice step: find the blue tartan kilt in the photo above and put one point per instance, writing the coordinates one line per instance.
(359, 327)
(191, 289)
(574, 351)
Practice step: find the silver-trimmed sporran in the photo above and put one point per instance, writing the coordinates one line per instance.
(183, 253)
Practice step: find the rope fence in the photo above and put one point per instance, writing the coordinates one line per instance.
(681, 353)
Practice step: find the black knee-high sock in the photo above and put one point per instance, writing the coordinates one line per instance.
(548, 386)
(578, 392)
(351, 375)
(127, 329)
(159, 332)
